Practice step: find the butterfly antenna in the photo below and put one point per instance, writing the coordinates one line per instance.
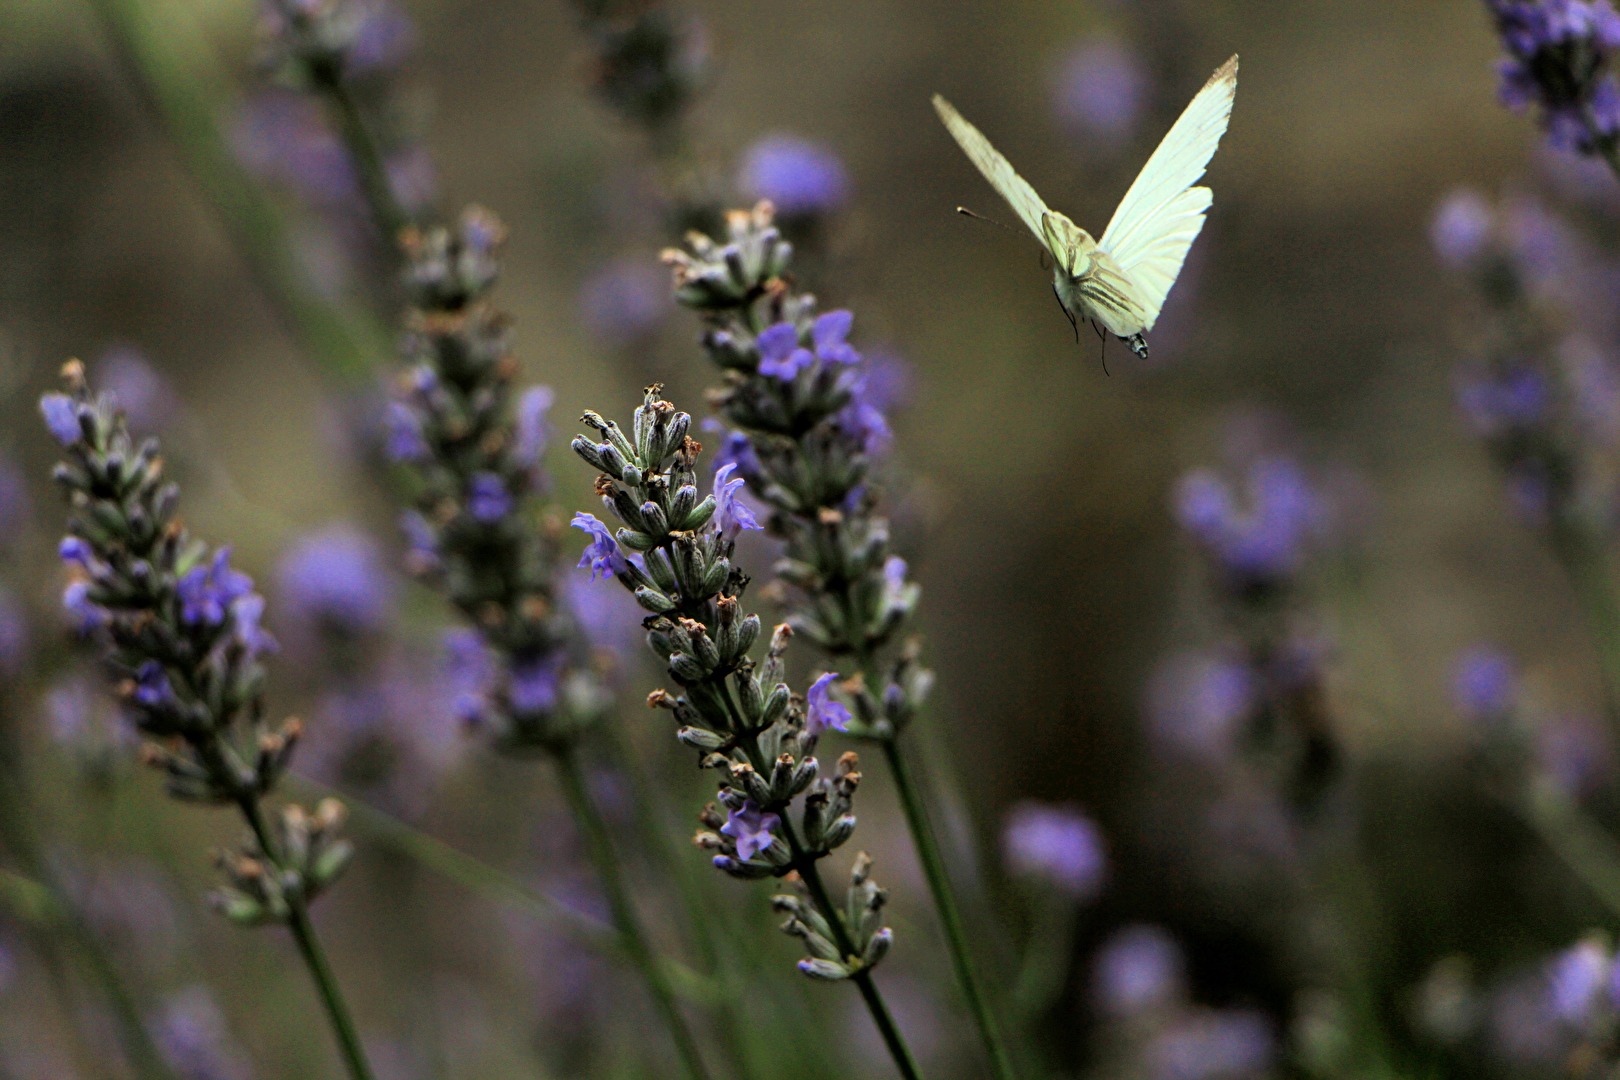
(976, 216)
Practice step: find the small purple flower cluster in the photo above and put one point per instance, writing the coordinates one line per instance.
(473, 450)
(1265, 682)
(1543, 403)
(1559, 55)
(802, 179)
(1056, 845)
(183, 638)
(342, 147)
(806, 419)
(775, 815)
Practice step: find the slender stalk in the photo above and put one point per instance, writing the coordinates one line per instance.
(1583, 846)
(950, 917)
(39, 887)
(159, 55)
(810, 874)
(1589, 572)
(309, 947)
(599, 845)
(387, 213)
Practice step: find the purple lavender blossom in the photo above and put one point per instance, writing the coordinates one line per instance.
(84, 614)
(1058, 845)
(61, 418)
(1577, 979)
(780, 356)
(1264, 543)
(602, 554)
(1484, 684)
(731, 514)
(1461, 229)
(1099, 93)
(533, 687)
(283, 137)
(1574, 754)
(1559, 54)
(609, 618)
(1503, 401)
(152, 686)
(405, 440)
(752, 829)
(337, 579)
(822, 712)
(1138, 970)
(800, 177)
(531, 429)
(208, 591)
(625, 301)
(469, 666)
(488, 500)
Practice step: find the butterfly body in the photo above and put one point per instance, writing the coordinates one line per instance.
(1121, 281)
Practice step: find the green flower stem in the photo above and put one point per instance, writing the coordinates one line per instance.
(162, 57)
(309, 947)
(804, 864)
(1046, 956)
(37, 892)
(1585, 848)
(499, 887)
(950, 917)
(1591, 576)
(599, 846)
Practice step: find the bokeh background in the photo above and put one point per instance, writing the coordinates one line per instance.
(1031, 491)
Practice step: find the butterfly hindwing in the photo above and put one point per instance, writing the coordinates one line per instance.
(1162, 213)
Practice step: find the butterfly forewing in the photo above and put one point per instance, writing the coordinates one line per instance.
(1162, 213)
(996, 169)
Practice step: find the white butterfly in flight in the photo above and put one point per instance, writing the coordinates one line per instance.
(1120, 282)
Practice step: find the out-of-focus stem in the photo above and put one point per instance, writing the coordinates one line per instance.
(599, 845)
(500, 887)
(950, 916)
(159, 55)
(1591, 577)
(1585, 848)
(39, 886)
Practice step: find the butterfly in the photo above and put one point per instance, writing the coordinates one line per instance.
(1120, 282)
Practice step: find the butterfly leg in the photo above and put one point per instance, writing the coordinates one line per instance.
(1067, 314)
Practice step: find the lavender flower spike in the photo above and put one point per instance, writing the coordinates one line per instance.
(189, 674)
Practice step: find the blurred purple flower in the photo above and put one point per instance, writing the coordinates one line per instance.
(1267, 541)
(61, 418)
(531, 428)
(283, 136)
(626, 301)
(488, 501)
(1227, 1044)
(800, 177)
(1057, 845)
(1138, 969)
(191, 1033)
(532, 688)
(1100, 92)
(1577, 979)
(15, 505)
(752, 829)
(1461, 229)
(1484, 683)
(609, 618)
(13, 634)
(146, 397)
(336, 579)
(1197, 703)
(1503, 402)
(1574, 753)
